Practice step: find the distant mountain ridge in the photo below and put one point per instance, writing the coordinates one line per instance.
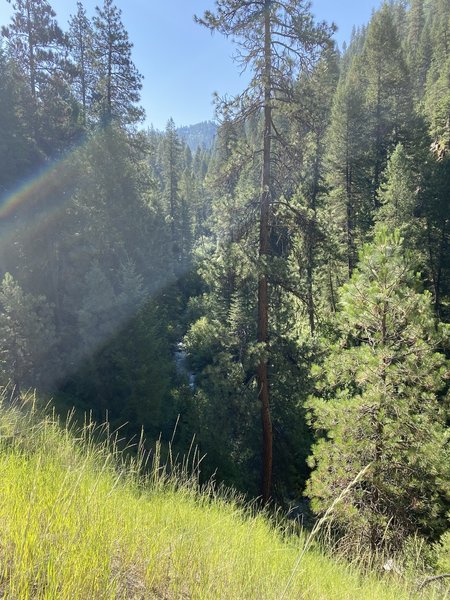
(201, 134)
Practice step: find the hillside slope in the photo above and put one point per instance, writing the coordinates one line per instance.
(77, 523)
(199, 135)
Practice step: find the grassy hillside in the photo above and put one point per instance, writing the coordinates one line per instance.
(78, 523)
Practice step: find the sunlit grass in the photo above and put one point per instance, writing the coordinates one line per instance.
(77, 521)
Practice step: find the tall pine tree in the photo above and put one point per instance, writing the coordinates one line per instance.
(275, 39)
(118, 82)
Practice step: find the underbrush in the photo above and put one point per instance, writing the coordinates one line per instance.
(81, 520)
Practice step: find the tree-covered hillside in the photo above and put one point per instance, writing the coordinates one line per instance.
(199, 135)
(281, 296)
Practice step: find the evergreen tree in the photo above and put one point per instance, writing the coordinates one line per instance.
(437, 96)
(440, 19)
(435, 208)
(222, 356)
(175, 202)
(134, 374)
(99, 318)
(423, 59)
(275, 39)
(40, 48)
(388, 90)
(399, 197)
(17, 152)
(348, 174)
(437, 106)
(81, 46)
(118, 82)
(136, 249)
(415, 42)
(132, 293)
(312, 109)
(379, 406)
(115, 215)
(35, 40)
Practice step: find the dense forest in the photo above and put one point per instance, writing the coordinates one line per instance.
(280, 300)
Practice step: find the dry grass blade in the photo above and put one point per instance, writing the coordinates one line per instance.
(318, 525)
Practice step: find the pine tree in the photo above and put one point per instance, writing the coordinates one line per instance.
(275, 39)
(399, 196)
(388, 90)
(440, 19)
(171, 165)
(312, 111)
(40, 48)
(379, 406)
(415, 34)
(437, 95)
(435, 208)
(117, 91)
(222, 355)
(347, 169)
(81, 46)
(17, 152)
(437, 106)
(422, 57)
(35, 40)
(116, 216)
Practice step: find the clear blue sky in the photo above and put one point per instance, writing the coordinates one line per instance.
(182, 63)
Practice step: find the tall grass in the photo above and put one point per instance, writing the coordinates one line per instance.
(80, 520)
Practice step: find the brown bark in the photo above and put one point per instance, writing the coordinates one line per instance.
(263, 292)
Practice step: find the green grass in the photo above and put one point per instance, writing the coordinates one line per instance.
(78, 522)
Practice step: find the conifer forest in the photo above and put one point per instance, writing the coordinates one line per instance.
(272, 290)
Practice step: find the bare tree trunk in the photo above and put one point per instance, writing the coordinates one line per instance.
(263, 296)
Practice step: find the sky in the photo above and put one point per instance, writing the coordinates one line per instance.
(182, 63)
